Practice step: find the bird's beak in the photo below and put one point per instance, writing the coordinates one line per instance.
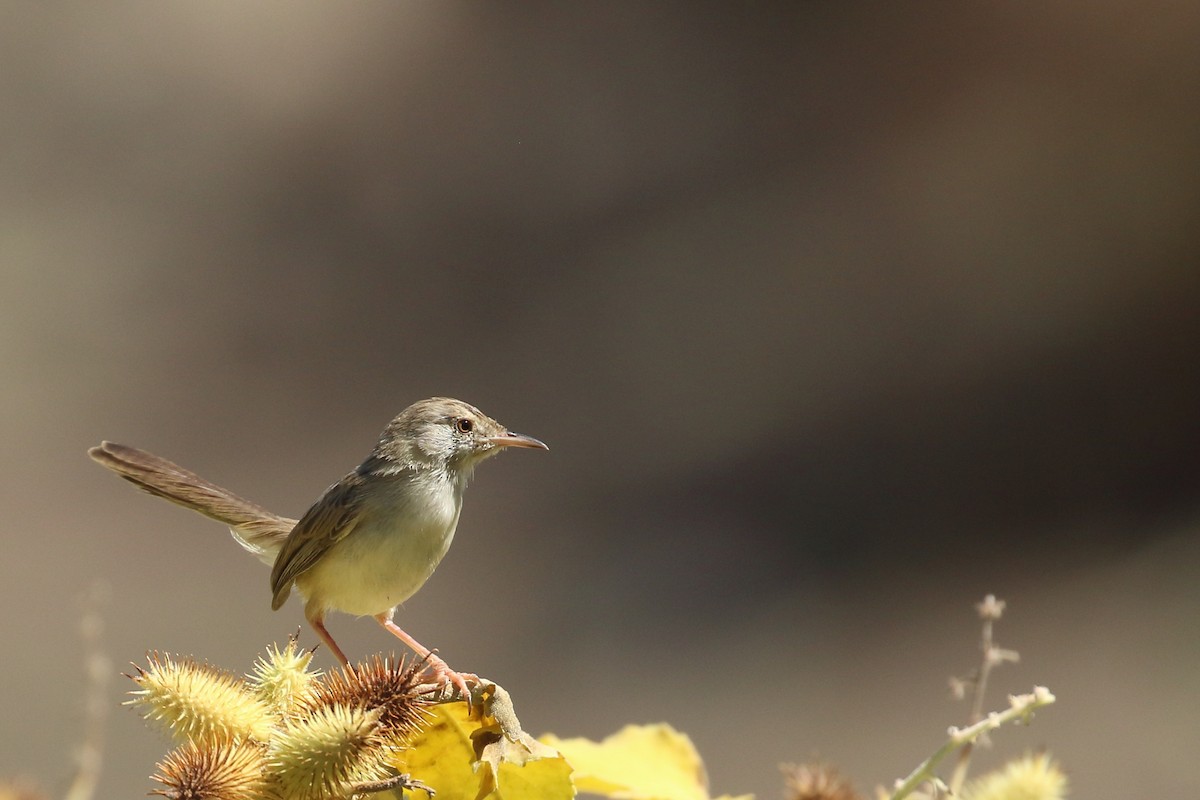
(511, 439)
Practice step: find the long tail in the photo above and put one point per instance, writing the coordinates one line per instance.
(255, 528)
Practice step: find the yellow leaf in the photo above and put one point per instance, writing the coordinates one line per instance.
(543, 779)
(639, 762)
(467, 758)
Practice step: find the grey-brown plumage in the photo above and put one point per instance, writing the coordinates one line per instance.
(335, 516)
(374, 537)
(167, 480)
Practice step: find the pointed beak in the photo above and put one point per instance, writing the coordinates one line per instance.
(511, 439)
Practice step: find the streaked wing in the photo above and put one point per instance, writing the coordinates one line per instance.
(325, 524)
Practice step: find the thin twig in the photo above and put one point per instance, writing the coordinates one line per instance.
(401, 782)
(96, 668)
(989, 610)
(1021, 708)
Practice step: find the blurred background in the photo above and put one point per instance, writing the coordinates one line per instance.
(835, 316)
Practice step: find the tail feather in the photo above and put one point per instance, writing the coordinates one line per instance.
(255, 528)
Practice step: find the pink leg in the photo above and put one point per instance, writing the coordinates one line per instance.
(434, 662)
(317, 620)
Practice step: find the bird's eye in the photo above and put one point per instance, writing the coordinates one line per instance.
(464, 425)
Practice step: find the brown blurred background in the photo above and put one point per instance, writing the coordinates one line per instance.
(836, 317)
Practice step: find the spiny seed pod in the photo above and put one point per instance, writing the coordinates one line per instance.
(281, 678)
(213, 771)
(816, 781)
(1033, 777)
(383, 684)
(324, 754)
(198, 702)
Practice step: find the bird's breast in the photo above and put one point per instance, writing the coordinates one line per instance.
(391, 552)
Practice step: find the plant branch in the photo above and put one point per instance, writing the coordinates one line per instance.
(91, 751)
(401, 782)
(1021, 708)
(990, 610)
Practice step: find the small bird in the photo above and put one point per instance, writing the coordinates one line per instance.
(374, 537)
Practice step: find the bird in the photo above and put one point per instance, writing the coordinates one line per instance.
(373, 538)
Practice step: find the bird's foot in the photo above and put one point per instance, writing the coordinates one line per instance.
(444, 676)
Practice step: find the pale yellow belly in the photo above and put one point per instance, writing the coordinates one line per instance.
(378, 566)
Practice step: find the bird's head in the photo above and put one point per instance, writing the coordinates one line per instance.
(444, 433)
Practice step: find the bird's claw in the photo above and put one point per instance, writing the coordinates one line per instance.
(444, 676)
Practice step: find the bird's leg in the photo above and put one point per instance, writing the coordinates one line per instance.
(433, 661)
(316, 619)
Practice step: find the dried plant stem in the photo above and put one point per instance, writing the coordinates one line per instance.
(1021, 707)
(97, 670)
(989, 610)
(979, 688)
(401, 782)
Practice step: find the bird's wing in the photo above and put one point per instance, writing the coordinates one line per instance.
(330, 520)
